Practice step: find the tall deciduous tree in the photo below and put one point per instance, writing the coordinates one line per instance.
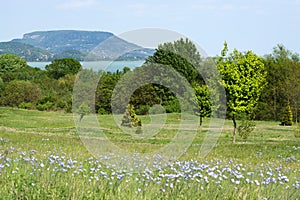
(243, 77)
(283, 86)
(61, 67)
(182, 55)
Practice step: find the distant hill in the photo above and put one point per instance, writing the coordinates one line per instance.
(26, 51)
(65, 40)
(81, 45)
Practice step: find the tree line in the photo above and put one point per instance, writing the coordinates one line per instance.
(262, 88)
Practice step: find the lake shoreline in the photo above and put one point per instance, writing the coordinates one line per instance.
(111, 66)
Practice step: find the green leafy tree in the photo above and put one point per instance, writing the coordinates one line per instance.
(130, 119)
(145, 97)
(84, 88)
(203, 103)
(183, 48)
(283, 74)
(182, 55)
(17, 92)
(2, 85)
(10, 62)
(243, 77)
(83, 110)
(104, 91)
(61, 67)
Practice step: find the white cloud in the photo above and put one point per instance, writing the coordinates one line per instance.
(77, 4)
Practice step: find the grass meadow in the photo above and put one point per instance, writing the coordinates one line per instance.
(43, 157)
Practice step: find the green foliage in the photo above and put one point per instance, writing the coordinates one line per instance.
(47, 106)
(24, 105)
(145, 97)
(17, 92)
(287, 116)
(142, 110)
(105, 88)
(2, 85)
(130, 119)
(183, 48)
(283, 74)
(204, 103)
(182, 55)
(172, 106)
(243, 77)
(175, 61)
(245, 128)
(85, 88)
(11, 63)
(102, 111)
(83, 110)
(61, 67)
(46, 103)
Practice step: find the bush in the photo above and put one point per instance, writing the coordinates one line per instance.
(245, 128)
(24, 105)
(130, 119)
(102, 111)
(142, 110)
(45, 106)
(17, 92)
(172, 106)
(287, 117)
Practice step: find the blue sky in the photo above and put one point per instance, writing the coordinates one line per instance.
(256, 25)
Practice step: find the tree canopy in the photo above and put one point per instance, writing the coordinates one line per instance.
(61, 67)
(10, 62)
(243, 77)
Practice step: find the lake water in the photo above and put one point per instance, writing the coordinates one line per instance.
(111, 66)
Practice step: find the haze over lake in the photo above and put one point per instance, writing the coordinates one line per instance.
(111, 66)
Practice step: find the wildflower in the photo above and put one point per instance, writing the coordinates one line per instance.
(171, 185)
(62, 164)
(162, 189)
(287, 187)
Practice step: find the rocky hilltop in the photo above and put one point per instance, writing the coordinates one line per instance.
(80, 45)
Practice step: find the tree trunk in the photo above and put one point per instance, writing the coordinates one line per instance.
(81, 116)
(234, 129)
(200, 120)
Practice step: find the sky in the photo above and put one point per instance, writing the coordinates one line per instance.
(257, 25)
